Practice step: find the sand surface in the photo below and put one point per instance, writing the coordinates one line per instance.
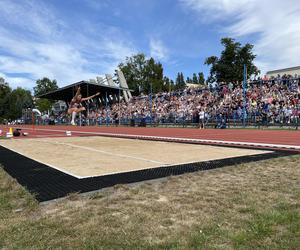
(93, 156)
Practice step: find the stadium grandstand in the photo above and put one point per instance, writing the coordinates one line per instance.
(268, 102)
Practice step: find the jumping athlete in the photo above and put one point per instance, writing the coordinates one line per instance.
(75, 105)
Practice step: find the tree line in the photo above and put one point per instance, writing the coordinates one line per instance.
(143, 75)
(13, 101)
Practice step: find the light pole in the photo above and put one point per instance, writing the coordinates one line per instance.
(151, 104)
(106, 108)
(244, 96)
(119, 107)
(88, 107)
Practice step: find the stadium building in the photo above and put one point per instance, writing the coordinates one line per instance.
(293, 71)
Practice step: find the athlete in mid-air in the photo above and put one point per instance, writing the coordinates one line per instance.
(75, 105)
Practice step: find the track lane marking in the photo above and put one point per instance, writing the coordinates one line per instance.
(131, 136)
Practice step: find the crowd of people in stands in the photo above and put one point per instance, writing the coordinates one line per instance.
(267, 101)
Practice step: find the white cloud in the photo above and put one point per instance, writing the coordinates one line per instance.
(215, 9)
(35, 42)
(158, 50)
(274, 23)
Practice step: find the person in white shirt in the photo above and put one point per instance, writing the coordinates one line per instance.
(201, 119)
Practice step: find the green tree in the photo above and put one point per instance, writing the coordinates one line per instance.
(154, 76)
(229, 66)
(140, 73)
(19, 99)
(201, 79)
(172, 85)
(182, 82)
(134, 71)
(179, 82)
(44, 86)
(167, 84)
(5, 92)
(43, 104)
(195, 78)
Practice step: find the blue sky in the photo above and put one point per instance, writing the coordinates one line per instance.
(73, 40)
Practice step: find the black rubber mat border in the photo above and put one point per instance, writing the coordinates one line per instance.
(47, 183)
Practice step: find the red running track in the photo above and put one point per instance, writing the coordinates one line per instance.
(282, 137)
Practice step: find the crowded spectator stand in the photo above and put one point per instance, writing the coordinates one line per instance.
(262, 102)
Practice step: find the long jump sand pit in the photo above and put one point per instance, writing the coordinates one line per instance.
(84, 157)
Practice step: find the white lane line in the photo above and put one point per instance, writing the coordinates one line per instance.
(174, 138)
(102, 151)
(50, 135)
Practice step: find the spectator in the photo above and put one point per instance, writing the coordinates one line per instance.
(274, 100)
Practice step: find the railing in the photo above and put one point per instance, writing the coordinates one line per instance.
(218, 121)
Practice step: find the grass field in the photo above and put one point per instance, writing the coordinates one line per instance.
(248, 206)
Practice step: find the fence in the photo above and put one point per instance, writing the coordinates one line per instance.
(218, 121)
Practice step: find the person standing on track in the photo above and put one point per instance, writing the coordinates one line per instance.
(75, 105)
(202, 118)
